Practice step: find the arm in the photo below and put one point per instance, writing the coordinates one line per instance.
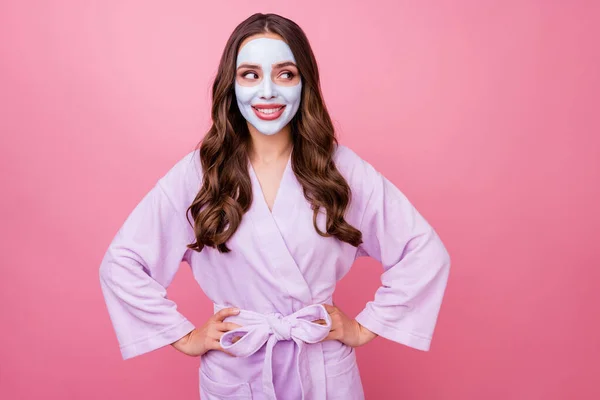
(138, 266)
(415, 262)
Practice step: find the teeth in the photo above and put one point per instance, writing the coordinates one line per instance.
(268, 110)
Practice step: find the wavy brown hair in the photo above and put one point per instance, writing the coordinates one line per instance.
(226, 191)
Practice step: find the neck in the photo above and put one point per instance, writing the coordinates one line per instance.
(269, 148)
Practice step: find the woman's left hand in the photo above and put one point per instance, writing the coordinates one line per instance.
(346, 330)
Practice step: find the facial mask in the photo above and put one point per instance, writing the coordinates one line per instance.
(266, 52)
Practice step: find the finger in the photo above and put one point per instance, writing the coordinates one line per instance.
(331, 336)
(330, 309)
(212, 343)
(219, 334)
(226, 312)
(226, 326)
(320, 322)
(215, 333)
(215, 344)
(335, 322)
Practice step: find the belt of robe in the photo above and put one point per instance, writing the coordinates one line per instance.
(258, 329)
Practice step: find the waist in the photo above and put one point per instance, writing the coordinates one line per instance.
(266, 310)
(261, 331)
(258, 327)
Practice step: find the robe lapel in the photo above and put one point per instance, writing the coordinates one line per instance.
(267, 225)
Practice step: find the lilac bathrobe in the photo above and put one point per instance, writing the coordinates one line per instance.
(279, 273)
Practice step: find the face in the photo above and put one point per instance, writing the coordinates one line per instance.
(267, 84)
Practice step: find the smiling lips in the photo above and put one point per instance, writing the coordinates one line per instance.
(268, 112)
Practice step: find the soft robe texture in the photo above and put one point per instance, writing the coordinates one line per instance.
(279, 273)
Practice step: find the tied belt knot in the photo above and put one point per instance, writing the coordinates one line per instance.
(259, 329)
(280, 326)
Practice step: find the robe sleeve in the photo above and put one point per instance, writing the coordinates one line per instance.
(140, 263)
(415, 262)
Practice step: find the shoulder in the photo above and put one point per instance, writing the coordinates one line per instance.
(361, 176)
(346, 160)
(357, 171)
(182, 181)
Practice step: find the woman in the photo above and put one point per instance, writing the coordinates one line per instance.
(270, 213)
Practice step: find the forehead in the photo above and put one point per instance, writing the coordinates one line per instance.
(265, 51)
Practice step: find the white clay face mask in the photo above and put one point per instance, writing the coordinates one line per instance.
(267, 102)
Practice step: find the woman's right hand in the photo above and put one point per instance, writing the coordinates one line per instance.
(206, 338)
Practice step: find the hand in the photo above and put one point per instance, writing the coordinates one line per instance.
(206, 338)
(346, 330)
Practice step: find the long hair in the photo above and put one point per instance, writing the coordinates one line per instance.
(226, 190)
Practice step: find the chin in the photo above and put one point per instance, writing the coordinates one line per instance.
(268, 132)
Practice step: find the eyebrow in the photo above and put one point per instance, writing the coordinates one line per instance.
(278, 65)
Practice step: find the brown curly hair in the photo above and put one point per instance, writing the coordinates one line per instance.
(226, 191)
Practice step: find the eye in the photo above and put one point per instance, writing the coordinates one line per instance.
(289, 75)
(250, 75)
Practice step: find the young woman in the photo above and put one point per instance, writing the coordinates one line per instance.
(270, 212)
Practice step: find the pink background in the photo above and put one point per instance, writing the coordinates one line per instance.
(485, 113)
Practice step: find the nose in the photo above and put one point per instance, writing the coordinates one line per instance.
(267, 89)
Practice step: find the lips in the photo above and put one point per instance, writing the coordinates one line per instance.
(268, 112)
